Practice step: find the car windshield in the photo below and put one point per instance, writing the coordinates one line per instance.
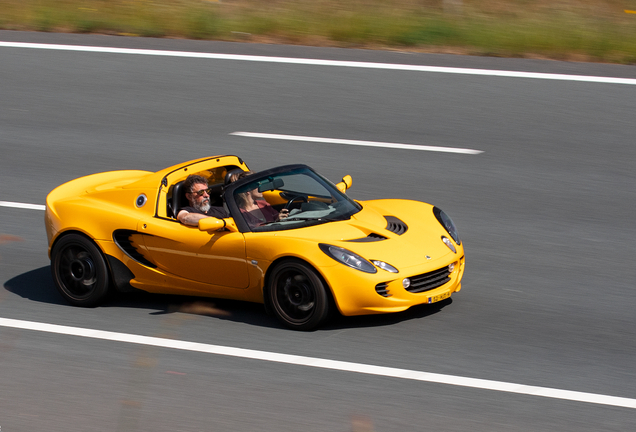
(291, 199)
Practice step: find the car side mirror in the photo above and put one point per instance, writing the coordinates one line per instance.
(344, 184)
(215, 224)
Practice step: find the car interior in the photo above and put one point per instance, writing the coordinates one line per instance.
(217, 179)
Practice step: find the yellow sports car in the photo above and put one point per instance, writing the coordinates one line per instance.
(291, 240)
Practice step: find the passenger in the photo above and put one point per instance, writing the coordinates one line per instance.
(255, 209)
(198, 195)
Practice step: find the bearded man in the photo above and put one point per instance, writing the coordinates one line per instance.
(198, 195)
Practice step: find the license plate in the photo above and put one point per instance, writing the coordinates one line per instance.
(439, 297)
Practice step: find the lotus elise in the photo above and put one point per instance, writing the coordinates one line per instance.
(119, 231)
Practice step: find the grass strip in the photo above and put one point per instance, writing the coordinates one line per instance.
(589, 30)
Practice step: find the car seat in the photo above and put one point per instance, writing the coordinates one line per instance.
(178, 199)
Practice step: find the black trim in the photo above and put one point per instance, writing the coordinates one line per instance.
(120, 275)
(382, 289)
(122, 240)
(373, 237)
(429, 281)
(395, 225)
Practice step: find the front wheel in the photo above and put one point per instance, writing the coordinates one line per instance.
(79, 271)
(297, 296)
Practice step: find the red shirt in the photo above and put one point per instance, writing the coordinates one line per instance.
(253, 218)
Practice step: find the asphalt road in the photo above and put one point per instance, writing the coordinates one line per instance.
(546, 214)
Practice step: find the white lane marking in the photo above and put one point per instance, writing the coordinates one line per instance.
(324, 363)
(22, 205)
(357, 142)
(320, 62)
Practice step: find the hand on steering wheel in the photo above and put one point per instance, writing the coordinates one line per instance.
(298, 197)
(284, 214)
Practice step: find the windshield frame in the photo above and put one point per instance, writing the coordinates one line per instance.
(242, 224)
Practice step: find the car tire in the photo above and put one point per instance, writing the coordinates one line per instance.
(296, 295)
(79, 271)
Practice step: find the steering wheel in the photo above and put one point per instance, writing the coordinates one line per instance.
(297, 197)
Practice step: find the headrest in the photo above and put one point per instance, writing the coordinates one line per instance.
(230, 173)
(179, 199)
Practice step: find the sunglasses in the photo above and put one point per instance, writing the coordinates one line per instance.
(202, 191)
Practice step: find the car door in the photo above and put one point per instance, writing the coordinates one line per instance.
(215, 258)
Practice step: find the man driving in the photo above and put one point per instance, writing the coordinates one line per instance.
(198, 195)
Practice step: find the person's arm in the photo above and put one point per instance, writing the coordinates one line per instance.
(270, 213)
(191, 219)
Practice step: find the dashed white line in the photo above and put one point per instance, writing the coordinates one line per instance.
(320, 363)
(357, 142)
(22, 205)
(320, 62)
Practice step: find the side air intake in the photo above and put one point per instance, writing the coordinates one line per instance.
(126, 242)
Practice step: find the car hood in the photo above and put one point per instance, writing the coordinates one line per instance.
(402, 233)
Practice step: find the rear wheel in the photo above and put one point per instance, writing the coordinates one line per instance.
(79, 271)
(297, 296)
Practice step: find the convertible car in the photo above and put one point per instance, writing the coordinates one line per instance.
(119, 231)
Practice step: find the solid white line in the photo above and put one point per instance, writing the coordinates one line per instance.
(22, 205)
(357, 142)
(319, 62)
(324, 363)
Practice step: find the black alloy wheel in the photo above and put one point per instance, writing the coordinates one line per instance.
(297, 296)
(79, 271)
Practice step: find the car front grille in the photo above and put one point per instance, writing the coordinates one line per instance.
(428, 281)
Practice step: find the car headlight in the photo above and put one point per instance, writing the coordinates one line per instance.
(348, 258)
(448, 224)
